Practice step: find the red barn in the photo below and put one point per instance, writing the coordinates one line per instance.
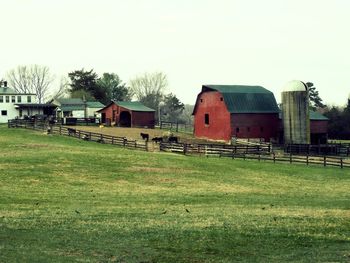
(225, 111)
(128, 114)
(318, 128)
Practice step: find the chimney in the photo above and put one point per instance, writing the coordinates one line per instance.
(5, 84)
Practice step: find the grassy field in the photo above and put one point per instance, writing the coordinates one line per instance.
(67, 200)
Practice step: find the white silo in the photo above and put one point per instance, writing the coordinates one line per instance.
(295, 113)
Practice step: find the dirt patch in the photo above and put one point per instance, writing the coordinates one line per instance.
(134, 133)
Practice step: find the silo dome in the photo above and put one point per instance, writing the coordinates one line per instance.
(294, 85)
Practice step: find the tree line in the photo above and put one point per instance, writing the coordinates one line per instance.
(148, 88)
(338, 117)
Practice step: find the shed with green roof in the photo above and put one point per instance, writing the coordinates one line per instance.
(128, 114)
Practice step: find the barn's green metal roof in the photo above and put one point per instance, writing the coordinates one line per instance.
(316, 116)
(245, 99)
(133, 105)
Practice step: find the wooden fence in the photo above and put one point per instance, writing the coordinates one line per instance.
(79, 134)
(174, 126)
(338, 149)
(260, 152)
(214, 149)
(253, 152)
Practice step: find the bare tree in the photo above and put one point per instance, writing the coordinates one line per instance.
(63, 88)
(31, 79)
(149, 88)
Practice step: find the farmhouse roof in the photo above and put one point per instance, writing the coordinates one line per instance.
(245, 99)
(10, 91)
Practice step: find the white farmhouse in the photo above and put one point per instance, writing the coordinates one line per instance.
(19, 105)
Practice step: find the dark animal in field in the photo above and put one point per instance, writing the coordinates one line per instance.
(71, 132)
(173, 139)
(100, 141)
(145, 136)
(85, 137)
(157, 139)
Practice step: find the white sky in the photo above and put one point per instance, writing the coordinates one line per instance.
(195, 42)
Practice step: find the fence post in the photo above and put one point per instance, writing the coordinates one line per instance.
(233, 154)
(274, 157)
(60, 130)
(135, 144)
(112, 139)
(259, 157)
(185, 148)
(307, 159)
(324, 160)
(341, 163)
(79, 134)
(290, 157)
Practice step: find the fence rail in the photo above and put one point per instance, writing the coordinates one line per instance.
(79, 134)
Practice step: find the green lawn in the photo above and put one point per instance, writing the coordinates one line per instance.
(65, 200)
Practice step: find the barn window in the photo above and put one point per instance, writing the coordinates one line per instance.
(206, 119)
(248, 129)
(201, 100)
(221, 98)
(261, 129)
(237, 130)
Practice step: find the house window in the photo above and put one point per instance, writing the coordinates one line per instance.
(1, 98)
(13, 99)
(237, 130)
(4, 112)
(7, 99)
(19, 99)
(29, 99)
(206, 119)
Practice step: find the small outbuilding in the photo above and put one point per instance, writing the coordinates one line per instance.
(76, 107)
(128, 114)
(225, 111)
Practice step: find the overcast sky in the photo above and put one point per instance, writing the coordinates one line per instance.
(250, 42)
